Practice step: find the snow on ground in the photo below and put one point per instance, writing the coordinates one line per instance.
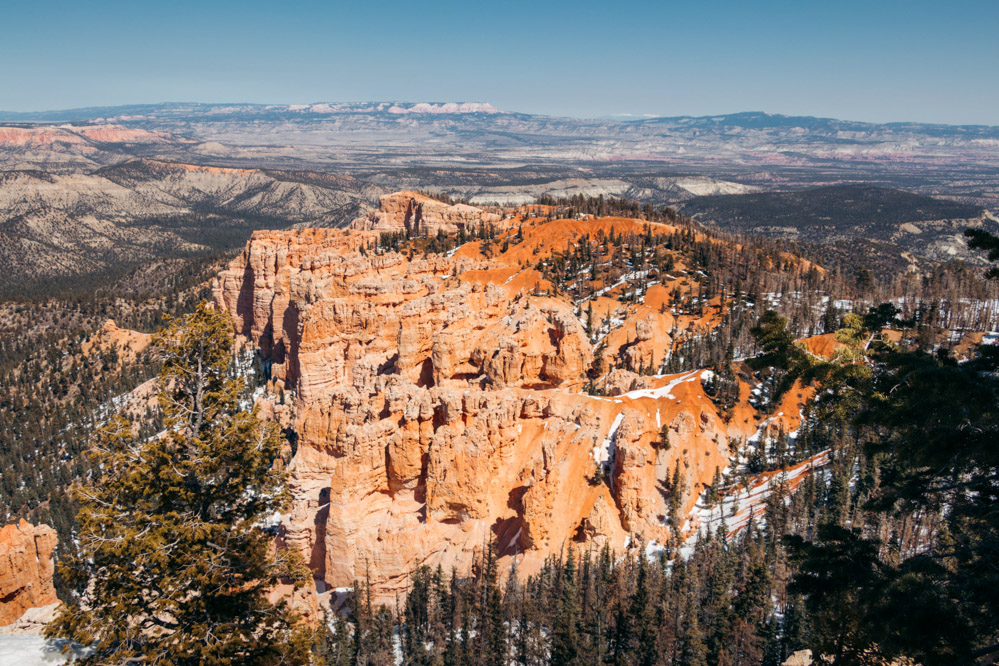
(742, 504)
(629, 277)
(30, 650)
(604, 452)
(515, 540)
(601, 398)
(653, 549)
(663, 391)
(510, 279)
(761, 430)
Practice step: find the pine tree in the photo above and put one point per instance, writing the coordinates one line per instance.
(417, 620)
(565, 636)
(337, 647)
(695, 653)
(492, 638)
(173, 565)
(641, 615)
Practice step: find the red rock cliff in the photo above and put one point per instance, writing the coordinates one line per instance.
(26, 569)
(438, 405)
(419, 214)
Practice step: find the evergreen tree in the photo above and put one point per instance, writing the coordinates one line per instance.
(565, 638)
(838, 576)
(337, 646)
(173, 565)
(492, 632)
(417, 616)
(695, 653)
(983, 240)
(641, 615)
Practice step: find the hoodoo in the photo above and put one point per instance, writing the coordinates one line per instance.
(438, 403)
(418, 214)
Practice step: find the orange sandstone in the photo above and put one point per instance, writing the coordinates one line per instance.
(26, 569)
(418, 214)
(438, 405)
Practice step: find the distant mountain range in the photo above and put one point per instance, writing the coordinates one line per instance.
(754, 120)
(92, 189)
(759, 120)
(471, 128)
(184, 111)
(434, 143)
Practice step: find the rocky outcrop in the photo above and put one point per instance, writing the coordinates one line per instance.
(619, 381)
(871, 656)
(420, 215)
(437, 403)
(26, 569)
(799, 658)
(126, 342)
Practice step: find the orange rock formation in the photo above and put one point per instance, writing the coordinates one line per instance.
(438, 404)
(26, 569)
(129, 343)
(416, 213)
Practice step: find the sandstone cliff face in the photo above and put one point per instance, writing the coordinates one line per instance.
(438, 405)
(26, 569)
(419, 214)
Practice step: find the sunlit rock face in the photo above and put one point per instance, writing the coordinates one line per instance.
(26, 569)
(418, 214)
(437, 402)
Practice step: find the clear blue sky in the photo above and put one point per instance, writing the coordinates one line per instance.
(873, 60)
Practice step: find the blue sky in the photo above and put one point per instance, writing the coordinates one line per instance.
(877, 61)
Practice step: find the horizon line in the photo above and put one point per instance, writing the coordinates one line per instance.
(10, 116)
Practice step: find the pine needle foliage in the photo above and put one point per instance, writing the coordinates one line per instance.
(173, 565)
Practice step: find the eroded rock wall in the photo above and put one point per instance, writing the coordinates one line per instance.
(438, 405)
(420, 215)
(26, 569)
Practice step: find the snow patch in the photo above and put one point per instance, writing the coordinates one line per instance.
(662, 391)
(33, 650)
(737, 508)
(606, 451)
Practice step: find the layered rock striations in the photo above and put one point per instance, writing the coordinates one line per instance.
(438, 405)
(26, 569)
